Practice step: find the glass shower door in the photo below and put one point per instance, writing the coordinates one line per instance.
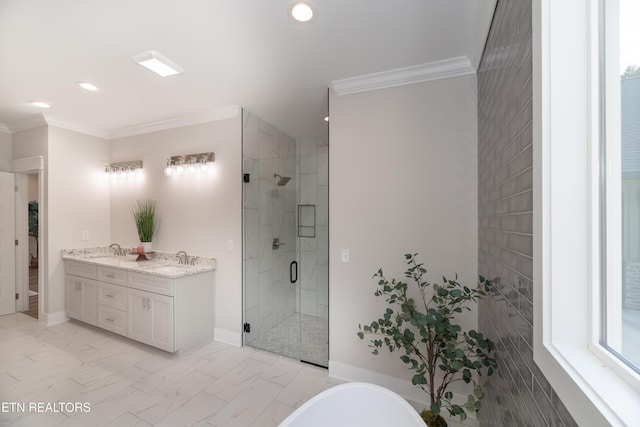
(285, 242)
(269, 203)
(312, 222)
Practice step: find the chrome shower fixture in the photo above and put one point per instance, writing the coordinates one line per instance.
(282, 181)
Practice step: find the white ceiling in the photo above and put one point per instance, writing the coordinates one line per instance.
(234, 52)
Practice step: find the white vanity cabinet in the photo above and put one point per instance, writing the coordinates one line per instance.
(168, 313)
(150, 306)
(81, 289)
(150, 318)
(112, 300)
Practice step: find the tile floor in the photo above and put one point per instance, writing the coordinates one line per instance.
(129, 384)
(285, 338)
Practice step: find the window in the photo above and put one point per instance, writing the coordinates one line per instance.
(621, 180)
(578, 229)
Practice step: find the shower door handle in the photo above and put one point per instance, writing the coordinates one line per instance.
(293, 267)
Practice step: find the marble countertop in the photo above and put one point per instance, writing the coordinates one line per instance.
(159, 263)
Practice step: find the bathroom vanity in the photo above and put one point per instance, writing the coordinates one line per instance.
(158, 302)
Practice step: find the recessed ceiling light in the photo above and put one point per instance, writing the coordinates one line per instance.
(88, 86)
(158, 63)
(302, 12)
(41, 104)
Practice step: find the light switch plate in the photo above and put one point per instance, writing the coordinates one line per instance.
(345, 256)
(230, 245)
(85, 236)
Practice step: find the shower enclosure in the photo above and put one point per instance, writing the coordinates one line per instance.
(286, 242)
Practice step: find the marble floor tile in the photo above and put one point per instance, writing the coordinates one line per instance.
(163, 403)
(244, 410)
(194, 412)
(127, 420)
(272, 415)
(129, 384)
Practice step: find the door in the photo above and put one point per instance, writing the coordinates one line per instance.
(7, 244)
(285, 242)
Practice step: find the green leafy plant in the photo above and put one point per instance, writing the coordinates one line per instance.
(144, 214)
(431, 343)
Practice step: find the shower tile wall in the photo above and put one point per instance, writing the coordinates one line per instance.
(314, 252)
(518, 394)
(269, 211)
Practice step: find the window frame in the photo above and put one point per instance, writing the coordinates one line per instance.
(595, 386)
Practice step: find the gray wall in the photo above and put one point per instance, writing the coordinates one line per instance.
(518, 394)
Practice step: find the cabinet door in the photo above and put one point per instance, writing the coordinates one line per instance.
(161, 308)
(74, 297)
(138, 316)
(90, 301)
(150, 318)
(82, 299)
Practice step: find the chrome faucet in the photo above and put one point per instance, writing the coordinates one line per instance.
(117, 251)
(182, 260)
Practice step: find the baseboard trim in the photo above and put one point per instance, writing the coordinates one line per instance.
(227, 337)
(403, 387)
(51, 319)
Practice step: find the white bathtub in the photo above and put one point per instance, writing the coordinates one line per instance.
(353, 405)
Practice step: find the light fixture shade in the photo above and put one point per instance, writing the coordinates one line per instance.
(41, 104)
(302, 12)
(158, 63)
(88, 86)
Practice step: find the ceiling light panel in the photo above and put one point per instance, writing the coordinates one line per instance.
(158, 63)
(88, 86)
(41, 104)
(302, 12)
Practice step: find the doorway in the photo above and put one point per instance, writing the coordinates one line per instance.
(285, 242)
(33, 232)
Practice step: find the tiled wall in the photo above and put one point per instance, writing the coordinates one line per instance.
(314, 251)
(518, 394)
(269, 211)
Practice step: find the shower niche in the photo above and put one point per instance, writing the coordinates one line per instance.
(285, 236)
(307, 221)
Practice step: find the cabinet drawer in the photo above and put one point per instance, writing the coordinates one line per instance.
(150, 283)
(112, 295)
(112, 275)
(81, 269)
(112, 319)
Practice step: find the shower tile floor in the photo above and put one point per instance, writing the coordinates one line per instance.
(285, 339)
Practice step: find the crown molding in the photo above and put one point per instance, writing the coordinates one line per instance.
(4, 128)
(75, 127)
(436, 70)
(222, 113)
(27, 123)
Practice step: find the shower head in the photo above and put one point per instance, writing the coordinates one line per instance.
(282, 181)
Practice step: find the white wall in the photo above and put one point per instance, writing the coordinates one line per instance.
(77, 200)
(403, 178)
(5, 152)
(198, 214)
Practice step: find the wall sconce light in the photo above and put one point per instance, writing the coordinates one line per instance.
(189, 163)
(123, 169)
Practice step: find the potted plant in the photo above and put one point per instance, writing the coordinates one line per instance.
(429, 340)
(144, 214)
